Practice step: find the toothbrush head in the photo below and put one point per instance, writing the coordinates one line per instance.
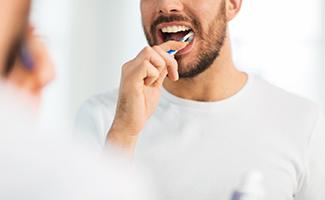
(188, 37)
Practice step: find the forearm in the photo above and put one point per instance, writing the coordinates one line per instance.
(122, 141)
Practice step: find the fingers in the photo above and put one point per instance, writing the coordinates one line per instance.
(153, 57)
(171, 63)
(153, 64)
(161, 78)
(152, 74)
(173, 45)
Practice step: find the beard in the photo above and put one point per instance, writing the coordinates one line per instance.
(208, 43)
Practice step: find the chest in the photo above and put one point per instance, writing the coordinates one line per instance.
(207, 158)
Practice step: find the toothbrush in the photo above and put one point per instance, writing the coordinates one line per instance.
(187, 38)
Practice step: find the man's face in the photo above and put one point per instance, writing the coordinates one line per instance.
(13, 22)
(165, 20)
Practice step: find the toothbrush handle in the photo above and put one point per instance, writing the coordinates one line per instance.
(171, 52)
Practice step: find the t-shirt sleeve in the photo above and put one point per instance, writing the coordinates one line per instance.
(94, 119)
(314, 182)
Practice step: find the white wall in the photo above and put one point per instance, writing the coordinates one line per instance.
(106, 34)
(283, 41)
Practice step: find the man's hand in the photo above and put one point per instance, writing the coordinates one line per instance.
(139, 93)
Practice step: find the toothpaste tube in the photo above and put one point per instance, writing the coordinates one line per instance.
(251, 188)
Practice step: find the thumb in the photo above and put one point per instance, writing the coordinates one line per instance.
(173, 45)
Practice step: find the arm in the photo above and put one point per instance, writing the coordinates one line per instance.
(139, 93)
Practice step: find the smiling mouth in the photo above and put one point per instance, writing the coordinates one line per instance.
(174, 33)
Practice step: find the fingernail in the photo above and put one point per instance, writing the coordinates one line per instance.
(177, 77)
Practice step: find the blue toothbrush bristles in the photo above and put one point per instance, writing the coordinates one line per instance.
(188, 37)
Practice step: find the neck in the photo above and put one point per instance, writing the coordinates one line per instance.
(222, 80)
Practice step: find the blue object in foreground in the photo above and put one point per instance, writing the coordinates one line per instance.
(26, 58)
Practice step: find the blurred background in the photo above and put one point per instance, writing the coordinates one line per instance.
(89, 40)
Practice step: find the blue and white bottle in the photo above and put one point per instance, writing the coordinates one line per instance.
(251, 188)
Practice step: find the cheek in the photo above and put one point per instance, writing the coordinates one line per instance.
(206, 11)
(147, 12)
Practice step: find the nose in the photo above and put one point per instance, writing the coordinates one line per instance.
(170, 6)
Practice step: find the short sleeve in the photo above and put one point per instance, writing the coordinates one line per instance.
(94, 119)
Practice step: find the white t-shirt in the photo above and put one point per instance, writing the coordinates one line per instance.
(202, 150)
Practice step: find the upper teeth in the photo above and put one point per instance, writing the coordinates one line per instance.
(174, 29)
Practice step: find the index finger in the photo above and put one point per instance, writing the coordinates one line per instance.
(173, 45)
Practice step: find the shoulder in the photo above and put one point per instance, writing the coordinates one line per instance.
(281, 100)
(96, 114)
(285, 109)
(106, 99)
(104, 102)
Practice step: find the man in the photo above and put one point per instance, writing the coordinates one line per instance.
(198, 122)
